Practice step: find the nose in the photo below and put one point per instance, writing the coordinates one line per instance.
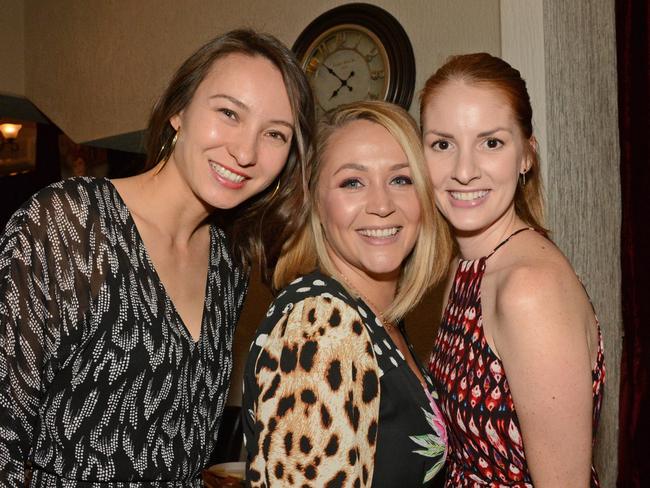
(243, 147)
(380, 201)
(465, 167)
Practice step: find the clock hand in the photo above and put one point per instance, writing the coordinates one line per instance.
(333, 73)
(345, 82)
(335, 92)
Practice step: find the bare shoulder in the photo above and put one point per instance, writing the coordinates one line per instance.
(533, 267)
(536, 287)
(543, 332)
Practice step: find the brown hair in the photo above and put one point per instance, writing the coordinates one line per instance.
(485, 69)
(257, 227)
(428, 261)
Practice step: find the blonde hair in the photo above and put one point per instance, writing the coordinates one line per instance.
(429, 259)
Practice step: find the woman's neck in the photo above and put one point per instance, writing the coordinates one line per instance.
(377, 291)
(163, 201)
(474, 245)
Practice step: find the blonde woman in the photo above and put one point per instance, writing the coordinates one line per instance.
(333, 394)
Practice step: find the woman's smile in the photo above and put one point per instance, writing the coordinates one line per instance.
(229, 177)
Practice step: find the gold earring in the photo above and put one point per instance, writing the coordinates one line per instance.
(277, 187)
(172, 146)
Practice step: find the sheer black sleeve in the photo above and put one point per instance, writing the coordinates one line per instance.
(38, 282)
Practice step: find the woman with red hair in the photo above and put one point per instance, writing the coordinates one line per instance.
(518, 359)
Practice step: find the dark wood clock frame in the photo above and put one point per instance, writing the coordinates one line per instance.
(389, 32)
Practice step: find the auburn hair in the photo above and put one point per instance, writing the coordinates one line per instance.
(483, 69)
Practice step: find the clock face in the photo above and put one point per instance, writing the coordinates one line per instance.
(345, 64)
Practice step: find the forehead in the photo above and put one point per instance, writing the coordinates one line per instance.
(252, 79)
(468, 102)
(364, 143)
(359, 139)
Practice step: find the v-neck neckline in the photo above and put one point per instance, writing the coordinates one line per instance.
(179, 319)
(377, 324)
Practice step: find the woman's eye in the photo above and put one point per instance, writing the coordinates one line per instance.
(402, 180)
(278, 135)
(228, 113)
(351, 183)
(493, 143)
(440, 145)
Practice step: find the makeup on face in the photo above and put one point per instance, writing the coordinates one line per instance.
(367, 202)
(236, 132)
(475, 152)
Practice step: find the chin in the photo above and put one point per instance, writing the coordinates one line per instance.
(383, 273)
(468, 230)
(223, 201)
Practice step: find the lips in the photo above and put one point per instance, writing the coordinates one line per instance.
(376, 233)
(227, 174)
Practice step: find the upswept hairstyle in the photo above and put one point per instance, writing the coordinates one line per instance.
(483, 69)
(258, 227)
(428, 261)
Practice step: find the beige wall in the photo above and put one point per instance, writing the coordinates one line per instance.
(12, 47)
(584, 197)
(98, 72)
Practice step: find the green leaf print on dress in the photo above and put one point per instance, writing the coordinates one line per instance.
(434, 444)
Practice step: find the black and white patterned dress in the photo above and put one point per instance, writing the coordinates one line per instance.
(101, 384)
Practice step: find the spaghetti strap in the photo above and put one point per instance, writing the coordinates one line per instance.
(518, 231)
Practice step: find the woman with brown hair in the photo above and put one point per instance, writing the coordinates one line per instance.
(118, 299)
(518, 359)
(333, 393)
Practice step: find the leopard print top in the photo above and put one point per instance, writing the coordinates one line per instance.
(329, 400)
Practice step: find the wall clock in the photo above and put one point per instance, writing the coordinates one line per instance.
(357, 52)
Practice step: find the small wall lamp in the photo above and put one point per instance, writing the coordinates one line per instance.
(9, 135)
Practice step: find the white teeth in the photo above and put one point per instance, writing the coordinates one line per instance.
(390, 232)
(468, 195)
(227, 174)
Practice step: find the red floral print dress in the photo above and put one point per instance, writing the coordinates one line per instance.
(485, 443)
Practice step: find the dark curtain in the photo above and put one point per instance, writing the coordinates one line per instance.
(632, 26)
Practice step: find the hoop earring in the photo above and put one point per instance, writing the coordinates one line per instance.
(172, 146)
(277, 187)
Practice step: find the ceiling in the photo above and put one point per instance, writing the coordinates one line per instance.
(21, 109)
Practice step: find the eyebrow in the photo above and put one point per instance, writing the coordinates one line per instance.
(246, 108)
(481, 134)
(361, 167)
(234, 100)
(490, 132)
(439, 134)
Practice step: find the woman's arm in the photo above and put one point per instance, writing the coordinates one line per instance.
(541, 334)
(23, 313)
(315, 419)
